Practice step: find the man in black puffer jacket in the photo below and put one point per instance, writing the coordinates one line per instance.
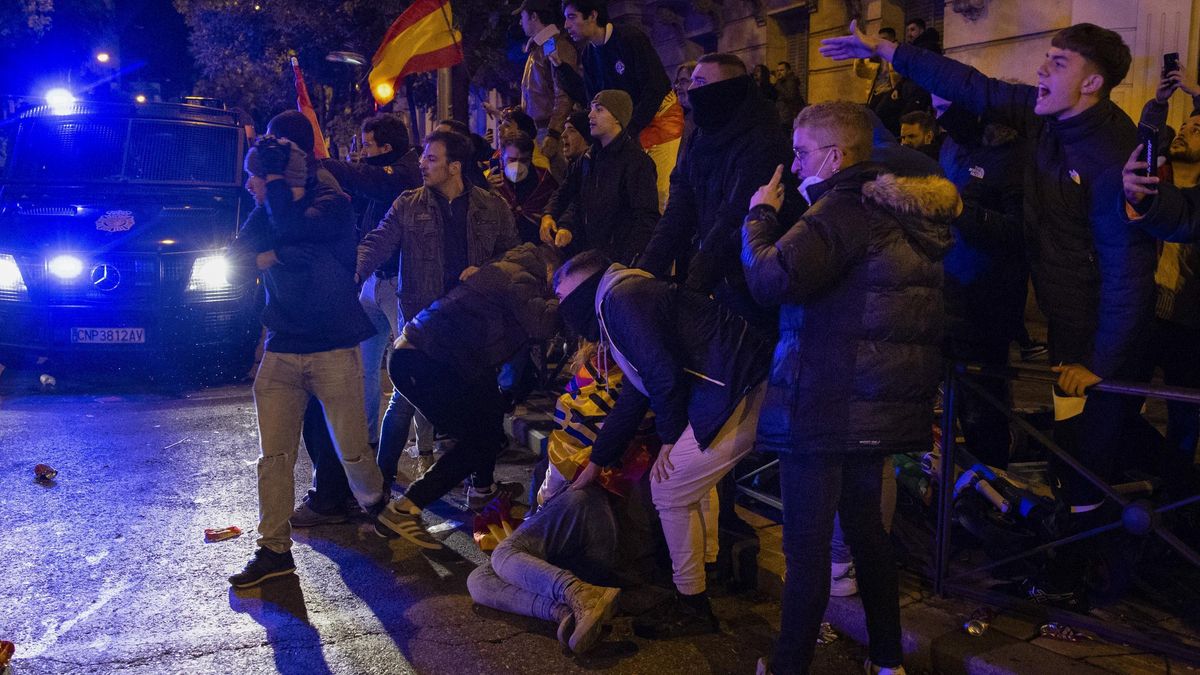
(702, 369)
(1094, 275)
(736, 144)
(859, 282)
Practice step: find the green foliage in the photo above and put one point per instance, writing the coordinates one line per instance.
(242, 47)
(25, 18)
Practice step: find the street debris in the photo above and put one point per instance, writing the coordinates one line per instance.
(48, 382)
(980, 621)
(45, 472)
(827, 634)
(212, 536)
(6, 652)
(1062, 632)
(182, 440)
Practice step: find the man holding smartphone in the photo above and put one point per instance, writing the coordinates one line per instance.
(542, 96)
(1093, 273)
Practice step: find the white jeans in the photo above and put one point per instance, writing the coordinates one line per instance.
(687, 500)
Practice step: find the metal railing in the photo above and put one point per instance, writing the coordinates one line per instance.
(1137, 516)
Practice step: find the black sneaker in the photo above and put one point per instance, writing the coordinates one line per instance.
(477, 499)
(265, 564)
(1033, 350)
(680, 617)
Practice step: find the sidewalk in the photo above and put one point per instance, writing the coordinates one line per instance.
(934, 639)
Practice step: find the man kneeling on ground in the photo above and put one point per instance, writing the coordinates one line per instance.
(445, 365)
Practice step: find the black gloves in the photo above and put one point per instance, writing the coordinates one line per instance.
(273, 155)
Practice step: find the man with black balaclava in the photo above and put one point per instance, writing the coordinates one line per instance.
(736, 144)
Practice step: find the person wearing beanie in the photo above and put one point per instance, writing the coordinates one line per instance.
(294, 126)
(305, 250)
(623, 57)
(609, 200)
(576, 137)
(734, 147)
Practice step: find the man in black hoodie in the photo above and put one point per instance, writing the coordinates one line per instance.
(306, 249)
(1094, 275)
(735, 146)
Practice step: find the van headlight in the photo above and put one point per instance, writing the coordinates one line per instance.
(209, 273)
(12, 284)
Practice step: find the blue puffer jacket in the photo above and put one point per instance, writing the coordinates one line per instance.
(859, 282)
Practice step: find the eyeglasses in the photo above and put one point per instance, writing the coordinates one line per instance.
(801, 154)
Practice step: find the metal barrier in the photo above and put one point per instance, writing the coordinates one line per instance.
(959, 375)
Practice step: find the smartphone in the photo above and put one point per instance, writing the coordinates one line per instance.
(550, 46)
(1170, 63)
(1148, 139)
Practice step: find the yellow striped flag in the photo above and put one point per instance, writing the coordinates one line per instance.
(421, 39)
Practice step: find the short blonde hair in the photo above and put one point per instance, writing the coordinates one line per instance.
(843, 123)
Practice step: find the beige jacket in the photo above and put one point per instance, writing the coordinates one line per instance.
(542, 96)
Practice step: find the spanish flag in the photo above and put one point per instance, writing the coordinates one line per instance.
(305, 106)
(421, 39)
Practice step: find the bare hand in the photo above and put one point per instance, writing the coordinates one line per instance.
(586, 476)
(770, 194)
(467, 273)
(856, 45)
(562, 238)
(1166, 87)
(1074, 379)
(662, 466)
(490, 137)
(1185, 85)
(1136, 185)
(547, 230)
(266, 260)
(551, 147)
(496, 178)
(491, 110)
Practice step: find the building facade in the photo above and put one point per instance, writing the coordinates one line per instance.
(1002, 38)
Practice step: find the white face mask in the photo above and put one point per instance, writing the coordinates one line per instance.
(814, 179)
(516, 171)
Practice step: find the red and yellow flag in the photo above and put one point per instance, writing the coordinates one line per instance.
(421, 39)
(305, 106)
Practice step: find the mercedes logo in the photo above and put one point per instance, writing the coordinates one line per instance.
(106, 277)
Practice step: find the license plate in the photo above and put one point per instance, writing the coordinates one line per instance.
(109, 336)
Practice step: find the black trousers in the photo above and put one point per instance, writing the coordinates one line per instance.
(984, 426)
(469, 409)
(814, 487)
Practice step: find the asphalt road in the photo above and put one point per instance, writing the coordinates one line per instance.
(106, 569)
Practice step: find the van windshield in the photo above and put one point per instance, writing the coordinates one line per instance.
(90, 149)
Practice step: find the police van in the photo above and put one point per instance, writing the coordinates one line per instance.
(114, 220)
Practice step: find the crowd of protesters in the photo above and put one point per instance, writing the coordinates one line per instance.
(739, 304)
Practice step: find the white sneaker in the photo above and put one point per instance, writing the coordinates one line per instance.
(842, 581)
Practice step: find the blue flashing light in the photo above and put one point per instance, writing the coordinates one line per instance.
(60, 100)
(66, 266)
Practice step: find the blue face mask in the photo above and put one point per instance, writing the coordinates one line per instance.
(814, 179)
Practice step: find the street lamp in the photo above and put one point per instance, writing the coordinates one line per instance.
(140, 98)
(103, 57)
